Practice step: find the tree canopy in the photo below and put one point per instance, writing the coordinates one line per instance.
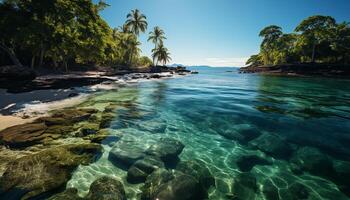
(58, 34)
(316, 39)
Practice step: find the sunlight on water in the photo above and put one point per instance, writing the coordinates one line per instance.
(204, 111)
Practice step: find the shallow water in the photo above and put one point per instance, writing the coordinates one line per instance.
(197, 109)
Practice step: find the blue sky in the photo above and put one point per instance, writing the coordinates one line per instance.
(219, 32)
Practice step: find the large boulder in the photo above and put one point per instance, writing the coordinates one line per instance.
(48, 170)
(166, 149)
(16, 73)
(242, 133)
(139, 171)
(244, 187)
(272, 145)
(163, 184)
(106, 188)
(312, 160)
(68, 194)
(199, 170)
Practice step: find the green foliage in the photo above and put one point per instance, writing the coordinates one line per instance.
(145, 61)
(317, 39)
(161, 54)
(59, 33)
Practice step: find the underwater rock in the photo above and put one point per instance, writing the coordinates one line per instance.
(298, 191)
(89, 129)
(166, 149)
(68, 194)
(125, 154)
(270, 191)
(272, 145)
(244, 187)
(139, 171)
(199, 170)
(50, 169)
(342, 179)
(163, 184)
(314, 161)
(241, 133)
(106, 188)
(153, 126)
(23, 135)
(246, 163)
(154, 181)
(106, 120)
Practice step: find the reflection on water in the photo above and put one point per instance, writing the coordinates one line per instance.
(277, 130)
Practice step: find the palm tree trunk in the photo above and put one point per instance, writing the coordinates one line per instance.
(12, 55)
(42, 53)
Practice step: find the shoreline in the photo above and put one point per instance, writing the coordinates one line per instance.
(301, 70)
(61, 98)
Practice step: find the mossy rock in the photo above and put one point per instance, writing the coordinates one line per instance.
(46, 171)
(106, 188)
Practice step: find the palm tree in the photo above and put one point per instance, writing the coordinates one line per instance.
(161, 54)
(136, 22)
(270, 36)
(157, 37)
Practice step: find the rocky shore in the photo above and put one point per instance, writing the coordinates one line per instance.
(307, 69)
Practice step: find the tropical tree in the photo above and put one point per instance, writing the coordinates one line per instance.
(270, 36)
(255, 60)
(136, 22)
(316, 29)
(341, 41)
(161, 54)
(157, 37)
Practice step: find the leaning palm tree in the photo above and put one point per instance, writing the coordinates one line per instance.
(136, 22)
(157, 37)
(161, 54)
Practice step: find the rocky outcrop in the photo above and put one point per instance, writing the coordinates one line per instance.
(167, 149)
(68, 194)
(246, 163)
(50, 169)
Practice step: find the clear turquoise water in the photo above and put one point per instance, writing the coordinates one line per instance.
(196, 108)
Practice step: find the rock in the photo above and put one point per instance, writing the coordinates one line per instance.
(166, 149)
(155, 76)
(16, 73)
(298, 191)
(43, 172)
(246, 163)
(106, 120)
(314, 161)
(182, 187)
(154, 181)
(68, 194)
(106, 188)
(197, 169)
(89, 129)
(23, 135)
(272, 145)
(242, 133)
(244, 187)
(125, 154)
(139, 171)
(163, 184)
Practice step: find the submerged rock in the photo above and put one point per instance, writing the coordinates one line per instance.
(166, 149)
(124, 154)
(314, 161)
(199, 170)
(106, 188)
(270, 191)
(139, 171)
(272, 145)
(244, 187)
(23, 135)
(68, 194)
(246, 163)
(35, 174)
(163, 184)
(242, 133)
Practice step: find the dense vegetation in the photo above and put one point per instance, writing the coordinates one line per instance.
(317, 39)
(62, 33)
